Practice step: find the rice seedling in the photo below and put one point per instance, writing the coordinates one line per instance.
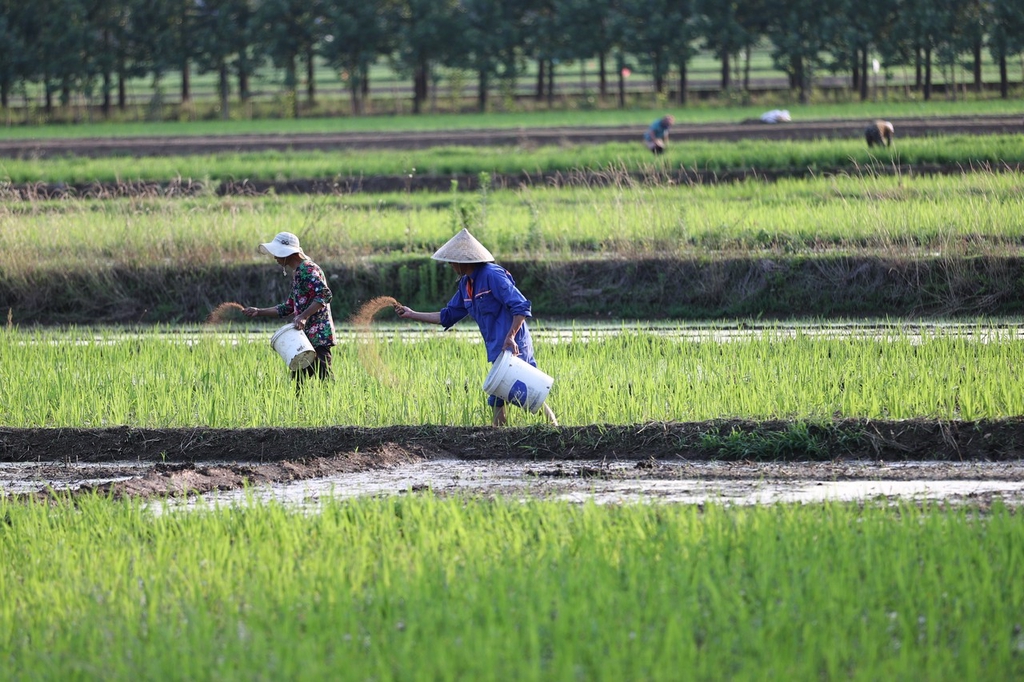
(466, 588)
(94, 378)
(821, 155)
(936, 215)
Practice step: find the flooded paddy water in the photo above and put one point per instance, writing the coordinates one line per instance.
(601, 482)
(553, 332)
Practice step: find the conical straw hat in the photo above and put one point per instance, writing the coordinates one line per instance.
(463, 248)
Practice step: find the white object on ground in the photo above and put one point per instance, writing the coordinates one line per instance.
(776, 116)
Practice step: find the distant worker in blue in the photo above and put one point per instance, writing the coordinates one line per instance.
(656, 137)
(489, 295)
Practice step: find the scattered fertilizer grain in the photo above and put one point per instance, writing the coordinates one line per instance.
(369, 356)
(226, 312)
(364, 316)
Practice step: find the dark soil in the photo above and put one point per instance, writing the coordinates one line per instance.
(201, 459)
(777, 286)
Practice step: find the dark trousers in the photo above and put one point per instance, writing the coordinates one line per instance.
(320, 368)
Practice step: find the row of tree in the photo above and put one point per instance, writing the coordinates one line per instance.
(95, 46)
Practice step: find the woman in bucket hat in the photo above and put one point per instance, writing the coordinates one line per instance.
(310, 302)
(488, 294)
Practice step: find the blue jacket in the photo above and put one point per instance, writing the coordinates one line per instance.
(490, 297)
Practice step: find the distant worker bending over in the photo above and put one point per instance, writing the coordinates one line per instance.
(656, 137)
(880, 133)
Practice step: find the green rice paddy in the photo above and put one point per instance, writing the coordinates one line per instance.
(425, 588)
(969, 214)
(766, 156)
(80, 379)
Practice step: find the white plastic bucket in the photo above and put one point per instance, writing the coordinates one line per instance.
(293, 346)
(518, 382)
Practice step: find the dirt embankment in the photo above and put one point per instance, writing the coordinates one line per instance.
(171, 461)
(780, 286)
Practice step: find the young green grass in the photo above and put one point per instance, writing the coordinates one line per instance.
(88, 378)
(970, 214)
(692, 155)
(420, 587)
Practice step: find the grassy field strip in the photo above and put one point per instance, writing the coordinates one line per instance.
(629, 378)
(575, 118)
(696, 156)
(934, 216)
(474, 589)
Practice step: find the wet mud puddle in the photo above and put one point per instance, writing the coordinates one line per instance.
(585, 481)
(669, 483)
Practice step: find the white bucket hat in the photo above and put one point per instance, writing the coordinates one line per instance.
(283, 245)
(463, 248)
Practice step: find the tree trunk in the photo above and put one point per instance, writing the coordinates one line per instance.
(551, 81)
(186, 82)
(419, 95)
(291, 84)
(622, 87)
(5, 93)
(746, 68)
(105, 107)
(864, 75)
(801, 79)
(927, 74)
(225, 90)
(917, 69)
(682, 82)
(1004, 90)
(540, 80)
(310, 77)
(364, 88)
(122, 88)
(243, 82)
(602, 75)
(977, 65)
(659, 76)
(354, 86)
(481, 95)
(855, 80)
(951, 91)
(725, 70)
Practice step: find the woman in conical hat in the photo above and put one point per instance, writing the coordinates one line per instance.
(489, 295)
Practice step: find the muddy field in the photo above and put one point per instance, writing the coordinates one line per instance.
(668, 461)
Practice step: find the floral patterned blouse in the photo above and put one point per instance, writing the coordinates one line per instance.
(309, 285)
